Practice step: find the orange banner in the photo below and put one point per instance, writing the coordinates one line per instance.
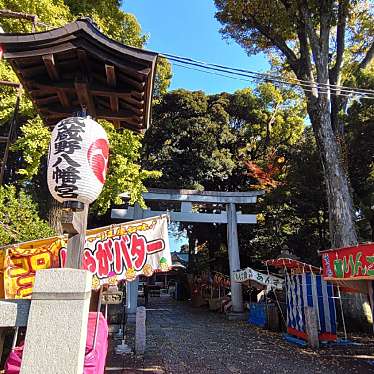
(20, 263)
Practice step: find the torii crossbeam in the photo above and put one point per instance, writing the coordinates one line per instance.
(187, 198)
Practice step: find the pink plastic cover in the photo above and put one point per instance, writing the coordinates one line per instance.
(94, 362)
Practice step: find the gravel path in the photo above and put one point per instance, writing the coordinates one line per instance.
(182, 339)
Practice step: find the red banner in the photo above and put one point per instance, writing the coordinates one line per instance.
(349, 263)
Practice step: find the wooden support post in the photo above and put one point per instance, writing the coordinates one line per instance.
(3, 331)
(75, 225)
(84, 97)
(311, 326)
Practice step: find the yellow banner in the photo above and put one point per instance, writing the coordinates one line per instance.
(20, 263)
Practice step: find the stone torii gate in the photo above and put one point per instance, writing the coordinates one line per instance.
(187, 198)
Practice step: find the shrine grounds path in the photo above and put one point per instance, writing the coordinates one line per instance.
(183, 339)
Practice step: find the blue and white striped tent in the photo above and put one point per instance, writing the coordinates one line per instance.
(309, 289)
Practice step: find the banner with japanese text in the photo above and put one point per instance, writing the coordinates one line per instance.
(118, 252)
(349, 263)
(19, 264)
(249, 274)
(124, 251)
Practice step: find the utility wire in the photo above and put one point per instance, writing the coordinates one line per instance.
(265, 76)
(259, 79)
(307, 87)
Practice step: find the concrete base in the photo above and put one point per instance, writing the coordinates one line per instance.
(237, 316)
(57, 326)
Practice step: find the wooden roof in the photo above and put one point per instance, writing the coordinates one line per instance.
(77, 66)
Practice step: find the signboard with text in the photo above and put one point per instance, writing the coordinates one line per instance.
(249, 274)
(118, 252)
(349, 263)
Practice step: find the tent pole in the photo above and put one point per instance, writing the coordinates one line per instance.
(342, 312)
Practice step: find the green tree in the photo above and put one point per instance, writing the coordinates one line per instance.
(28, 160)
(19, 217)
(360, 148)
(293, 215)
(317, 41)
(185, 142)
(207, 142)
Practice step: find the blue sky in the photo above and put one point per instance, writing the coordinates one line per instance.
(188, 28)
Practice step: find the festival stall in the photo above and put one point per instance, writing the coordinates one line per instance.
(351, 269)
(211, 289)
(305, 287)
(261, 313)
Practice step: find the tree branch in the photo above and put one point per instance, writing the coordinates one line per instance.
(335, 72)
(277, 41)
(313, 37)
(325, 25)
(368, 58)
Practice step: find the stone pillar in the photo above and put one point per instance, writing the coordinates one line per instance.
(234, 259)
(311, 326)
(132, 287)
(140, 332)
(57, 325)
(132, 300)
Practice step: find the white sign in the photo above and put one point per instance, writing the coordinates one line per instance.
(77, 160)
(264, 279)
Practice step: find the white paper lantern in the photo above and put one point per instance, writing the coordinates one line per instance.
(77, 160)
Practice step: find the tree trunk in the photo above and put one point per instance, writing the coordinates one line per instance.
(54, 214)
(371, 223)
(341, 214)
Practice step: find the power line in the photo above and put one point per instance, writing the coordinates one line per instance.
(307, 87)
(256, 79)
(265, 76)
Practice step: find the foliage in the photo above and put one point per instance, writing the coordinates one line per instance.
(186, 143)
(111, 20)
(206, 142)
(318, 41)
(124, 173)
(31, 147)
(360, 145)
(201, 141)
(19, 219)
(294, 214)
(163, 78)
(33, 144)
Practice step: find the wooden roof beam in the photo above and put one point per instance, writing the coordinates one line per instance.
(96, 89)
(84, 97)
(110, 75)
(54, 75)
(50, 65)
(56, 111)
(83, 61)
(114, 103)
(112, 82)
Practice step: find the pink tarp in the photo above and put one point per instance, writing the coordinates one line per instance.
(94, 362)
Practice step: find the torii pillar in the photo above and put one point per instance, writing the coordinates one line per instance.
(234, 259)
